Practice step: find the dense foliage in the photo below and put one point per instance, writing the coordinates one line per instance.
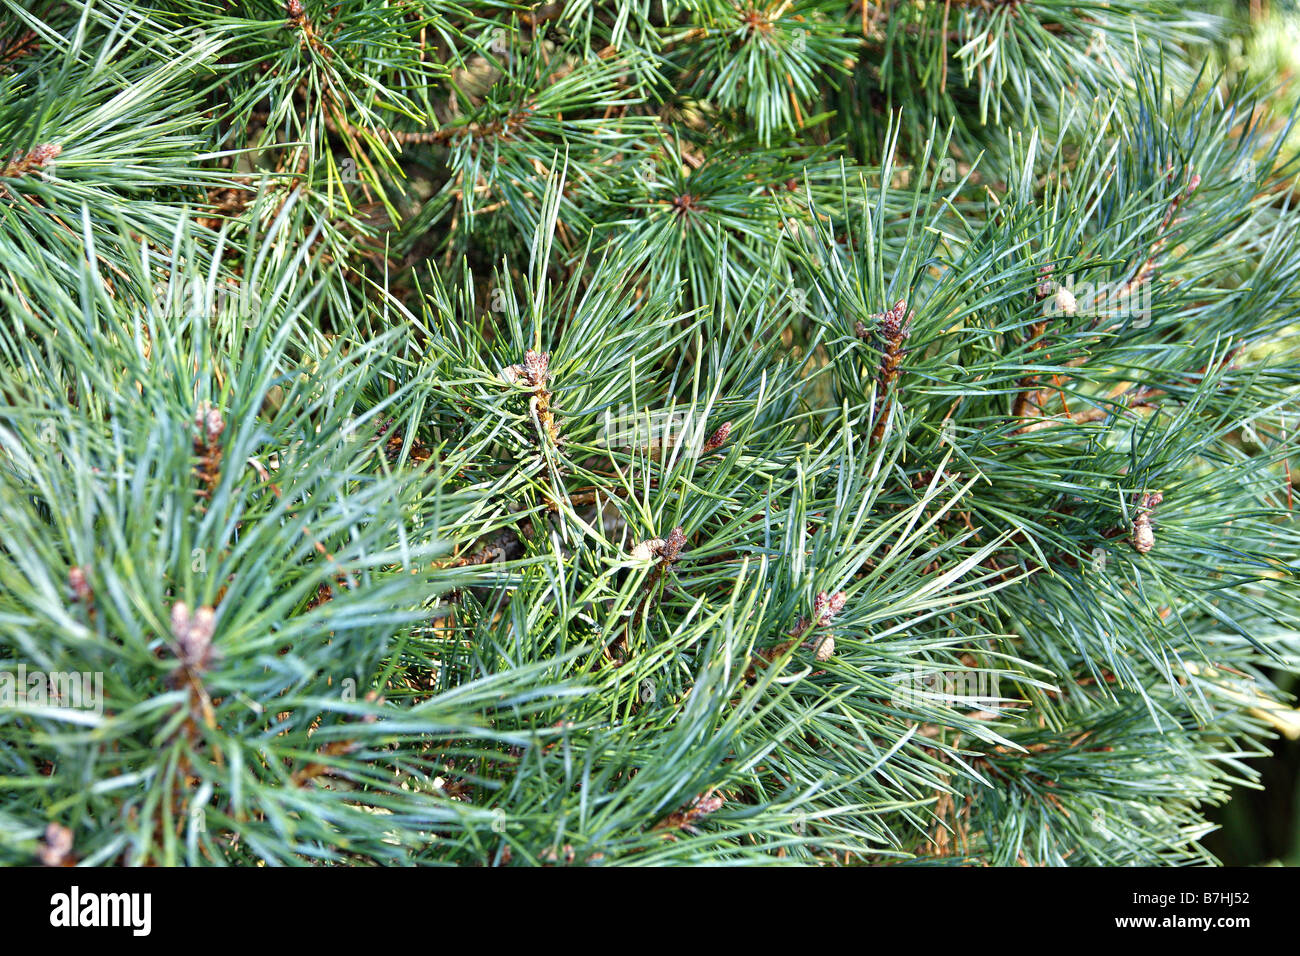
(666, 431)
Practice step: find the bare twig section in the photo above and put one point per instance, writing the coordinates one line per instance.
(1128, 398)
(1028, 403)
(1244, 690)
(335, 748)
(504, 547)
(25, 43)
(501, 129)
(1031, 399)
(417, 452)
(1140, 398)
(208, 425)
(951, 820)
(342, 576)
(227, 202)
(1148, 266)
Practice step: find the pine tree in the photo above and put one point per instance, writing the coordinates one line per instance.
(674, 431)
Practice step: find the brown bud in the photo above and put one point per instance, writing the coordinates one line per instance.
(80, 585)
(667, 549)
(1143, 539)
(826, 606)
(537, 367)
(209, 422)
(193, 634)
(823, 647)
(718, 438)
(43, 154)
(1065, 301)
(647, 550)
(1045, 284)
(56, 848)
(534, 370)
(894, 322)
(672, 546)
(708, 804)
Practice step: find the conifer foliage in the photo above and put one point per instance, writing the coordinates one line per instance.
(671, 431)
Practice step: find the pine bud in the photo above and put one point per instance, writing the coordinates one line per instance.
(647, 550)
(193, 634)
(718, 438)
(1045, 284)
(668, 549)
(893, 323)
(1143, 537)
(180, 619)
(699, 808)
(1065, 301)
(708, 805)
(56, 849)
(824, 647)
(537, 367)
(825, 607)
(534, 370)
(569, 854)
(209, 422)
(672, 547)
(80, 585)
(43, 154)
(40, 156)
